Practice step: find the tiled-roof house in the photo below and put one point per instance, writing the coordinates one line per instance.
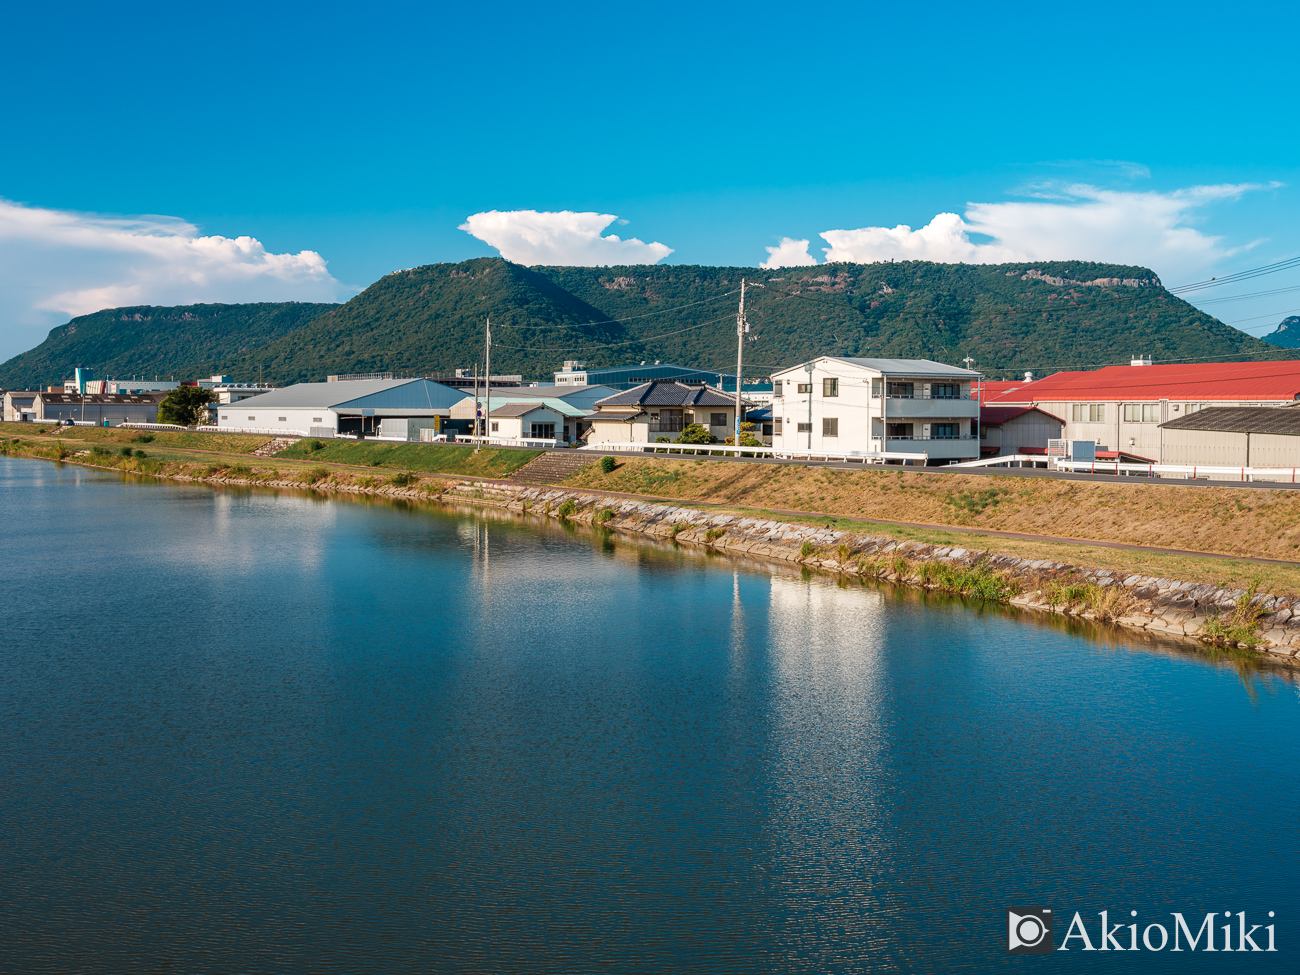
(662, 410)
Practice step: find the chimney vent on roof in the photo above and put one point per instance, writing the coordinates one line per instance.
(1140, 360)
(1029, 377)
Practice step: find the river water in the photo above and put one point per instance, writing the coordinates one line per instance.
(248, 732)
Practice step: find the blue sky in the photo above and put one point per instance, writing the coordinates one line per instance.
(367, 135)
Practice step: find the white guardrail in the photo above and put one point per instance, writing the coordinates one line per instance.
(784, 453)
(509, 441)
(272, 431)
(132, 425)
(1188, 472)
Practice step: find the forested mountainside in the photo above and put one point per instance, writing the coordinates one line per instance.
(429, 320)
(144, 340)
(1286, 335)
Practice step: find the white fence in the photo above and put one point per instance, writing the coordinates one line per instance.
(1189, 472)
(543, 442)
(132, 425)
(270, 431)
(785, 453)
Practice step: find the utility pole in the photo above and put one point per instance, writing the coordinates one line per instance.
(808, 367)
(477, 401)
(742, 329)
(487, 368)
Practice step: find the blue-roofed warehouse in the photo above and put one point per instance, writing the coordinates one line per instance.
(397, 409)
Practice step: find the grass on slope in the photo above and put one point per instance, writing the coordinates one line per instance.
(426, 458)
(229, 443)
(1227, 573)
(1258, 524)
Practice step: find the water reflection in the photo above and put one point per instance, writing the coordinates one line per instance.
(465, 741)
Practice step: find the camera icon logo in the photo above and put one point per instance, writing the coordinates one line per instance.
(1029, 931)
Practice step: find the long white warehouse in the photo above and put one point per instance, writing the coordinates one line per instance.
(390, 408)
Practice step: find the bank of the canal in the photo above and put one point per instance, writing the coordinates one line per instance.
(278, 731)
(1184, 609)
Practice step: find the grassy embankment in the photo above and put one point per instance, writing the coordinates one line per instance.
(425, 458)
(233, 450)
(1251, 524)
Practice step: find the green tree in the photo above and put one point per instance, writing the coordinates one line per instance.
(185, 406)
(747, 438)
(695, 433)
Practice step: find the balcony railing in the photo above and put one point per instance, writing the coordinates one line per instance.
(918, 396)
(667, 426)
(962, 436)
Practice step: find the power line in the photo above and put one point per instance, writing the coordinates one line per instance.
(1255, 272)
(611, 345)
(633, 318)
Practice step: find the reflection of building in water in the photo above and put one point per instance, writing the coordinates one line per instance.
(228, 543)
(816, 623)
(829, 773)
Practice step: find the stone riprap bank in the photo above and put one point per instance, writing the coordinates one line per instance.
(1165, 606)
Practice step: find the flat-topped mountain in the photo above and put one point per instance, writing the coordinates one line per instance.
(1044, 316)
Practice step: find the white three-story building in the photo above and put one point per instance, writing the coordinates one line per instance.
(863, 406)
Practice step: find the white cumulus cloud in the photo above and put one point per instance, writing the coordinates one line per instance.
(559, 237)
(1074, 222)
(57, 264)
(788, 253)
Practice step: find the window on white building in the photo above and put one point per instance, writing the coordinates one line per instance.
(717, 419)
(944, 431)
(1141, 412)
(284, 419)
(830, 426)
(1193, 407)
(1089, 413)
(830, 387)
(805, 387)
(776, 388)
(945, 391)
(805, 428)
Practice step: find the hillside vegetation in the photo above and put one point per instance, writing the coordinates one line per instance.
(1286, 335)
(429, 320)
(143, 340)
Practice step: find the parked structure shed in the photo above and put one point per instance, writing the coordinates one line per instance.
(1235, 437)
(105, 409)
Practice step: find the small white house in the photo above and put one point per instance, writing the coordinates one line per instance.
(852, 405)
(527, 421)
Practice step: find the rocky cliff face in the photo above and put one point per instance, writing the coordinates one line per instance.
(1286, 335)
